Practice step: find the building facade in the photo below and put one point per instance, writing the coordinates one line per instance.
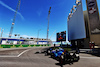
(85, 27)
(24, 41)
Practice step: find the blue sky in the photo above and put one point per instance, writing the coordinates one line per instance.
(33, 14)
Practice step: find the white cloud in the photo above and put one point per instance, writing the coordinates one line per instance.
(39, 13)
(25, 36)
(96, 31)
(11, 19)
(6, 34)
(3, 4)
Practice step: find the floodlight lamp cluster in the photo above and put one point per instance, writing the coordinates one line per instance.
(74, 8)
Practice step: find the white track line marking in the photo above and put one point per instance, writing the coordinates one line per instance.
(22, 53)
(8, 56)
(91, 57)
(17, 55)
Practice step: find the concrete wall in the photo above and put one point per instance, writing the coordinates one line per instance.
(93, 37)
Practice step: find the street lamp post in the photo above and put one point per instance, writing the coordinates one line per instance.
(2, 32)
(18, 35)
(38, 35)
(19, 38)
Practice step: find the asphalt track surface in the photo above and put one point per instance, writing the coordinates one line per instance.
(28, 58)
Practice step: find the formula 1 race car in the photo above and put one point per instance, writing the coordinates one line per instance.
(48, 51)
(63, 56)
(69, 58)
(66, 57)
(75, 56)
(57, 52)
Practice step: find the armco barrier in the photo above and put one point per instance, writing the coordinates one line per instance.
(23, 45)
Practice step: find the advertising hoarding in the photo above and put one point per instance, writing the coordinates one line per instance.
(76, 25)
(61, 36)
(93, 15)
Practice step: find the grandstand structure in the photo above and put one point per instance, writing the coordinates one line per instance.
(24, 41)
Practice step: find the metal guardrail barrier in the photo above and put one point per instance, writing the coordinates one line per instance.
(23, 45)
